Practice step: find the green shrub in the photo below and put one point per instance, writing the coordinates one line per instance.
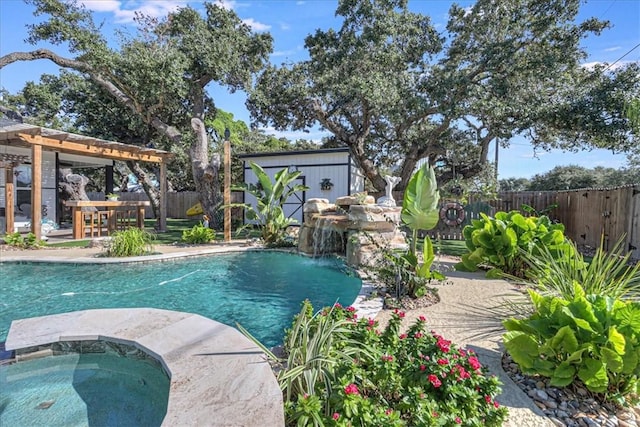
(343, 371)
(130, 242)
(501, 241)
(198, 234)
(591, 338)
(25, 242)
(403, 274)
(609, 273)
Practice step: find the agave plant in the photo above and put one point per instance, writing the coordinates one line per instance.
(271, 197)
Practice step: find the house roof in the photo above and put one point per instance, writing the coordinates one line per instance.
(13, 133)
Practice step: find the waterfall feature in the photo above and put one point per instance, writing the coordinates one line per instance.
(352, 227)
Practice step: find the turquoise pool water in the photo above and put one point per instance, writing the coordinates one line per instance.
(260, 290)
(83, 390)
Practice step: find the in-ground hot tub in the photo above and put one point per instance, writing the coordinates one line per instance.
(83, 383)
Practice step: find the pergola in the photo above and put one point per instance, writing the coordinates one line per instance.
(21, 142)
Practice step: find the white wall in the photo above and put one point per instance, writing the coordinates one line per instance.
(315, 166)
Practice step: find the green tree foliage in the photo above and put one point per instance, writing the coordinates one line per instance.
(573, 176)
(161, 73)
(394, 90)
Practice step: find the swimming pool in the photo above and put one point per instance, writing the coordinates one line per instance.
(261, 290)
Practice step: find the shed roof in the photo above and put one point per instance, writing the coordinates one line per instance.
(294, 153)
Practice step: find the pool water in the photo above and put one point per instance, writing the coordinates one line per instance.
(83, 389)
(260, 290)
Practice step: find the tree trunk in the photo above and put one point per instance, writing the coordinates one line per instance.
(206, 174)
(145, 179)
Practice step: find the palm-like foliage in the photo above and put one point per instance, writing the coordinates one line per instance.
(271, 197)
(609, 273)
(420, 209)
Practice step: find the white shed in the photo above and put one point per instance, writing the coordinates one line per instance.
(318, 167)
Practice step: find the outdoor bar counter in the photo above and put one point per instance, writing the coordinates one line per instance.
(110, 207)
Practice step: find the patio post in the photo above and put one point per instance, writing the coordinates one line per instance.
(36, 190)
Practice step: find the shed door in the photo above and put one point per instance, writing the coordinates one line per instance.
(293, 206)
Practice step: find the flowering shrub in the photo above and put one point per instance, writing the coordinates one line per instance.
(373, 377)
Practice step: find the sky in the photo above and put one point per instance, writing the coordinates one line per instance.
(290, 21)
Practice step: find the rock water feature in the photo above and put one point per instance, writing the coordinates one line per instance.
(354, 226)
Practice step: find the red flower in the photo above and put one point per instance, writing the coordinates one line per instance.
(387, 358)
(351, 309)
(351, 389)
(474, 362)
(458, 420)
(372, 322)
(443, 362)
(336, 416)
(496, 404)
(443, 344)
(399, 313)
(422, 367)
(418, 335)
(402, 336)
(422, 318)
(434, 380)
(487, 398)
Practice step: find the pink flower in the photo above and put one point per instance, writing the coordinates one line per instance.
(388, 411)
(458, 420)
(372, 322)
(487, 398)
(422, 367)
(351, 309)
(434, 414)
(399, 313)
(387, 358)
(496, 404)
(474, 362)
(336, 416)
(418, 335)
(351, 389)
(434, 380)
(422, 318)
(338, 305)
(443, 344)
(443, 362)
(402, 336)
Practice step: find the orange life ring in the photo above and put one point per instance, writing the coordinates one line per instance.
(452, 214)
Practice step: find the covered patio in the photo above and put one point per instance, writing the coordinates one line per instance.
(45, 150)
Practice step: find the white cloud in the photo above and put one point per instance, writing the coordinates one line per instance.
(255, 25)
(613, 49)
(284, 26)
(145, 7)
(281, 53)
(594, 64)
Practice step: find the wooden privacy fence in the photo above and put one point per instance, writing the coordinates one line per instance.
(177, 203)
(587, 214)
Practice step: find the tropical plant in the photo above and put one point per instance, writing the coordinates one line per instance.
(270, 198)
(609, 273)
(198, 234)
(420, 210)
(501, 242)
(591, 338)
(402, 273)
(29, 241)
(130, 242)
(371, 377)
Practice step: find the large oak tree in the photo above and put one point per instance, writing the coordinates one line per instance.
(395, 90)
(161, 74)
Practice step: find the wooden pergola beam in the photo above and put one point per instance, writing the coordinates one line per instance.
(94, 148)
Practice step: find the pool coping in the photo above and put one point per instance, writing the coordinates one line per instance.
(218, 376)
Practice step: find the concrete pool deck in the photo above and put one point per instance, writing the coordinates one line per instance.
(463, 298)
